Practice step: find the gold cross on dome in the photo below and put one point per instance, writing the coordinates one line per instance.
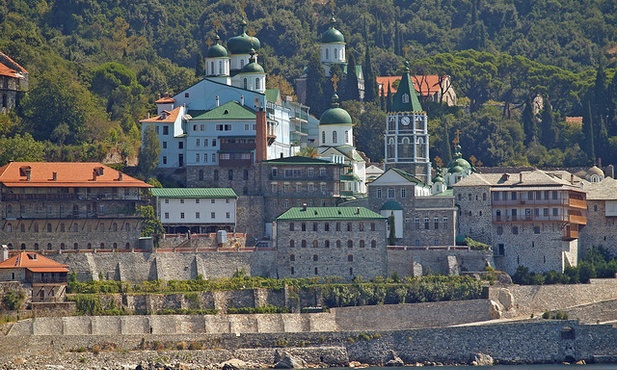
(217, 25)
(209, 42)
(335, 81)
(457, 139)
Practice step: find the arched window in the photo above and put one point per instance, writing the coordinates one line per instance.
(245, 83)
(350, 258)
(334, 138)
(115, 246)
(22, 228)
(361, 243)
(62, 246)
(338, 243)
(335, 53)
(373, 244)
(197, 157)
(303, 243)
(102, 245)
(323, 137)
(200, 175)
(257, 84)
(75, 228)
(350, 243)
(127, 227)
(211, 68)
(127, 246)
(327, 54)
(292, 243)
(220, 67)
(315, 244)
(75, 246)
(326, 244)
(62, 227)
(114, 227)
(49, 246)
(9, 228)
(48, 227)
(346, 137)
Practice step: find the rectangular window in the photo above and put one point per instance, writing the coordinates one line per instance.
(554, 195)
(164, 159)
(164, 144)
(212, 215)
(212, 201)
(436, 223)
(196, 214)
(166, 201)
(165, 130)
(403, 193)
(445, 223)
(496, 196)
(181, 145)
(416, 222)
(337, 226)
(181, 214)
(513, 195)
(291, 226)
(227, 215)
(515, 230)
(545, 212)
(246, 127)
(536, 230)
(426, 223)
(196, 201)
(315, 226)
(555, 212)
(166, 214)
(530, 195)
(349, 226)
(181, 201)
(198, 142)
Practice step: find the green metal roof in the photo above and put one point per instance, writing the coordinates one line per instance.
(272, 95)
(332, 35)
(228, 111)
(194, 193)
(329, 213)
(406, 97)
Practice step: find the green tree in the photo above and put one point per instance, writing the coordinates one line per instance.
(351, 81)
(549, 135)
(151, 226)
(21, 148)
(149, 154)
(370, 81)
(315, 79)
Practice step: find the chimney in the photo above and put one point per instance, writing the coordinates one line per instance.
(261, 140)
(357, 210)
(119, 176)
(25, 171)
(218, 101)
(572, 178)
(5, 252)
(505, 177)
(54, 176)
(242, 100)
(304, 206)
(520, 177)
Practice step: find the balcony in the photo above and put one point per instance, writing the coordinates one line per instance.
(570, 234)
(579, 220)
(577, 203)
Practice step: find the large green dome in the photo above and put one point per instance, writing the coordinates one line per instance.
(217, 50)
(252, 67)
(335, 115)
(332, 35)
(244, 43)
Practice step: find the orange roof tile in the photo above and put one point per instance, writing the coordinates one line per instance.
(65, 174)
(6, 71)
(33, 262)
(424, 84)
(165, 117)
(165, 99)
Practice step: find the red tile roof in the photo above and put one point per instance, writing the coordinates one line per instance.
(165, 116)
(10, 71)
(65, 174)
(165, 99)
(33, 262)
(424, 84)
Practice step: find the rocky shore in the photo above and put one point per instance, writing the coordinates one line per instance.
(289, 358)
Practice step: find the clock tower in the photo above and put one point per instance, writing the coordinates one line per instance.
(406, 137)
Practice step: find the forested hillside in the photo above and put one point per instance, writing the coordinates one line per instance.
(96, 67)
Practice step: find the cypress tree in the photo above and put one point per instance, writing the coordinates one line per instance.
(548, 130)
(199, 66)
(588, 130)
(370, 83)
(351, 81)
(315, 80)
(529, 121)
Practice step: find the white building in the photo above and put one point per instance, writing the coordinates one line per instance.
(229, 106)
(196, 210)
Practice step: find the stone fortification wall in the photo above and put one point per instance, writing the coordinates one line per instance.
(419, 315)
(523, 342)
(373, 318)
(412, 261)
(137, 267)
(523, 300)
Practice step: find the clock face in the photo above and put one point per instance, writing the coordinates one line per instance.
(405, 120)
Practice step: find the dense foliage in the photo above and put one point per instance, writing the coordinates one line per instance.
(96, 67)
(598, 263)
(333, 293)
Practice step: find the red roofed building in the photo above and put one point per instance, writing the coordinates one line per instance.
(47, 277)
(430, 87)
(13, 80)
(68, 205)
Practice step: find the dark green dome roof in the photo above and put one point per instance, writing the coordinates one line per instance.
(391, 205)
(217, 50)
(252, 67)
(458, 161)
(244, 43)
(335, 115)
(456, 169)
(332, 35)
(438, 178)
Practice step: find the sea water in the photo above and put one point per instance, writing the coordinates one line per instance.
(508, 367)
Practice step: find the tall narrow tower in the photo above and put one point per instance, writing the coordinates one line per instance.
(406, 136)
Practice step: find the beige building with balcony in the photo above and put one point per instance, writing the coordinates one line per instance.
(531, 218)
